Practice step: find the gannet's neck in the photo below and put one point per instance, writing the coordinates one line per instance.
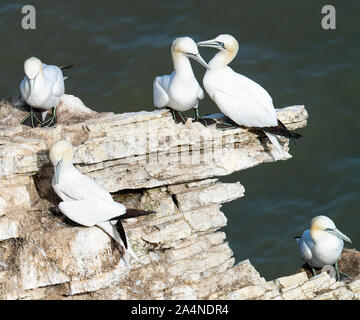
(318, 235)
(315, 233)
(221, 59)
(66, 165)
(182, 64)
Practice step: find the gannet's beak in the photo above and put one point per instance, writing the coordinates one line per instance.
(198, 58)
(57, 171)
(32, 84)
(335, 232)
(212, 44)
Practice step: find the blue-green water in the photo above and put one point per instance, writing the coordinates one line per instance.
(120, 46)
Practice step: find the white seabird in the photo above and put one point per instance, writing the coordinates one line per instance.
(84, 200)
(239, 98)
(41, 88)
(180, 90)
(322, 244)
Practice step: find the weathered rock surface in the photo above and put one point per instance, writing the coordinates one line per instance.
(147, 162)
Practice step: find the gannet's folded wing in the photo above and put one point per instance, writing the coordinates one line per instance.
(304, 244)
(253, 88)
(244, 110)
(54, 75)
(248, 94)
(89, 213)
(160, 85)
(24, 88)
(59, 88)
(77, 186)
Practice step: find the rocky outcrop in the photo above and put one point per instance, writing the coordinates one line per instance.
(147, 162)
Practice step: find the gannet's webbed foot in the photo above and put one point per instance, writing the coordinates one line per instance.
(340, 275)
(50, 120)
(32, 119)
(178, 117)
(227, 124)
(343, 276)
(206, 122)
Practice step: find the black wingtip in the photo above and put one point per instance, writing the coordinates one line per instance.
(120, 229)
(281, 130)
(133, 213)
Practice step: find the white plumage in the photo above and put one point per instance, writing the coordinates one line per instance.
(239, 98)
(84, 200)
(322, 244)
(180, 90)
(42, 86)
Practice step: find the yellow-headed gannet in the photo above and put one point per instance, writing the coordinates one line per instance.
(239, 98)
(322, 244)
(180, 90)
(41, 88)
(84, 200)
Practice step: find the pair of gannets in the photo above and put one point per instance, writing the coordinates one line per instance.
(239, 98)
(322, 244)
(84, 201)
(42, 88)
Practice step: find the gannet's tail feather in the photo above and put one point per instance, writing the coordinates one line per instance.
(281, 130)
(112, 230)
(68, 66)
(122, 234)
(274, 141)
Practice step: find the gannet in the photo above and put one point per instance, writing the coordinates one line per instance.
(322, 244)
(41, 88)
(84, 201)
(180, 90)
(239, 98)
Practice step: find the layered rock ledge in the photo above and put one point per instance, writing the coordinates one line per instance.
(148, 162)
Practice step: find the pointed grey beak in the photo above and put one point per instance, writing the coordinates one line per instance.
(335, 232)
(198, 58)
(32, 83)
(57, 171)
(211, 44)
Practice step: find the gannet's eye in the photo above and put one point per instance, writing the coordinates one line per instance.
(329, 229)
(222, 44)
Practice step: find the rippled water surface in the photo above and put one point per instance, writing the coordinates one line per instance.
(120, 46)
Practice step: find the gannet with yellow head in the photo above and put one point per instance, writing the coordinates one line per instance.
(84, 200)
(239, 98)
(42, 88)
(322, 244)
(180, 90)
